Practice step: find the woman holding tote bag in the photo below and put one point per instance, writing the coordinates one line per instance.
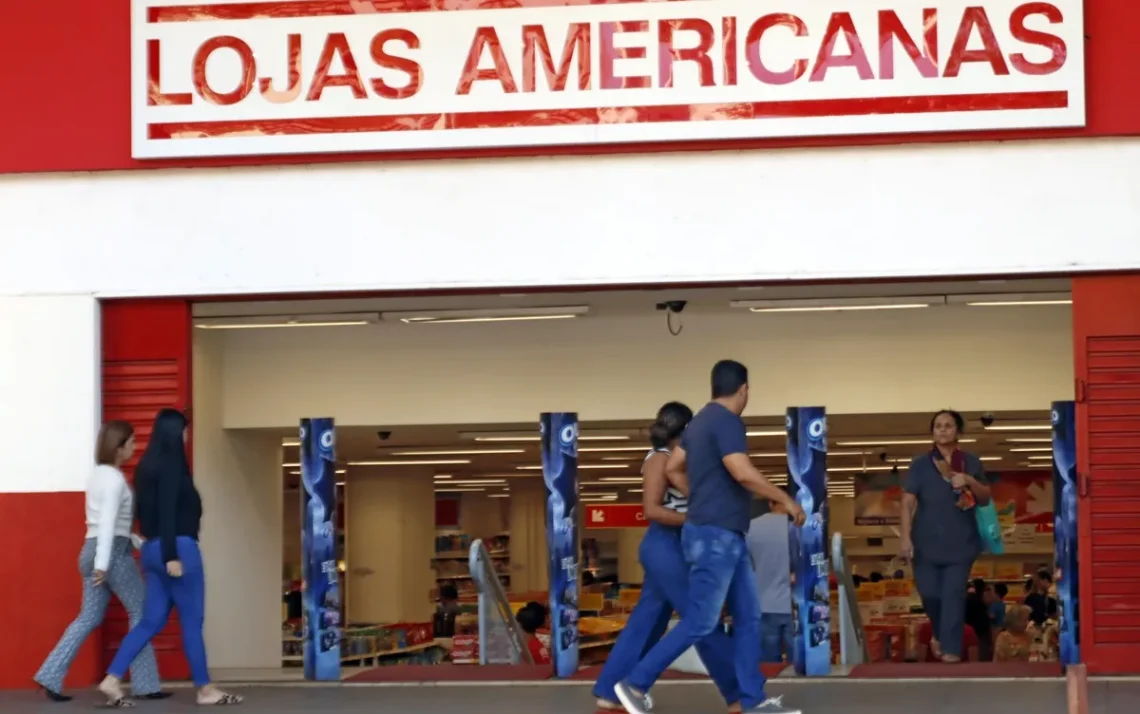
(940, 529)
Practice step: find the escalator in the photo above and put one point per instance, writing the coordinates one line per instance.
(501, 640)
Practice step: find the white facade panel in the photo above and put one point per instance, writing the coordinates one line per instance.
(49, 392)
(911, 211)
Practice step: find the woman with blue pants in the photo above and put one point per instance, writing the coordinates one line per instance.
(666, 583)
(170, 515)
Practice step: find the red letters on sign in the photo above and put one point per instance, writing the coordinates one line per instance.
(248, 70)
(610, 53)
(293, 90)
(668, 54)
(534, 42)
(336, 45)
(410, 67)
(841, 22)
(891, 29)
(752, 49)
(679, 41)
(154, 95)
(1034, 37)
(486, 37)
(975, 18)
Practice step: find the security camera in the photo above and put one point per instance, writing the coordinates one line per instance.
(987, 419)
(883, 456)
(676, 306)
(383, 435)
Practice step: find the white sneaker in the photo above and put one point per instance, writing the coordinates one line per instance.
(771, 705)
(634, 701)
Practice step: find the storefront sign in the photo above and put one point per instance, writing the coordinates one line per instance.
(1066, 555)
(232, 78)
(811, 593)
(560, 472)
(616, 515)
(320, 577)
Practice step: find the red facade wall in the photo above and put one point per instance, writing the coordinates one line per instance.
(67, 79)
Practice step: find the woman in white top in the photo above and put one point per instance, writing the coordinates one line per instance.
(106, 565)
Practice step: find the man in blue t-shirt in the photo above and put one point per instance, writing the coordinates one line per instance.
(713, 458)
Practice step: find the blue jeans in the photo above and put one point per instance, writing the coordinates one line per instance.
(776, 632)
(720, 573)
(187, 593)
(664, 590)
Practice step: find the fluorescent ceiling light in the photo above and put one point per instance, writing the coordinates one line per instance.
(598, 497)
(521, 314)
(908, 302)
(895, 442)
(620, 479)
(262, 322)
(507, 438)
(784, 454)
(460, 490)
(580, 467)
(781, 432)
(635, 490)
(1038, 465)
(617, 458)
(1040, 457)
(1027, 449)
(290, 442)
(613, 449)
(459, 452)
(292, 466)
(858, 469)
(411, 462)
(1018, 427)
(471, 482)
(1011, 299)
(1030, 440)
(443, 476)
(498, 495)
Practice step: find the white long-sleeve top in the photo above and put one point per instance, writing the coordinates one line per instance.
(110, 504)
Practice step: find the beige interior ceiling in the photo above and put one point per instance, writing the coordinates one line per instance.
(610, 453)
(626, 300)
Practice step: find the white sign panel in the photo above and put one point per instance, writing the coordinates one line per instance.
(307, 76)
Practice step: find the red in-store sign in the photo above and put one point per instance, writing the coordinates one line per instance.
(616, 515)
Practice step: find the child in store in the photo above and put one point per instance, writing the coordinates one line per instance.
(531, 618)
(446, 611)
(1015, 642)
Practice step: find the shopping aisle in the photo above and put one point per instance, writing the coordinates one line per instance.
(824, 697)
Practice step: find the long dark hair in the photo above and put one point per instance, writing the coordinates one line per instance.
(165, 454)
(672, 419)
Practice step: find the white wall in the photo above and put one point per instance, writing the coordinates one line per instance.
(913, 211)
(239, 477)
(49, 390)
(623, 366)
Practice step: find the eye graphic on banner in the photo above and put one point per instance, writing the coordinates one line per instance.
(320, 575)
(560, 472)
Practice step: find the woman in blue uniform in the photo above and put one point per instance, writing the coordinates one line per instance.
(666, 583)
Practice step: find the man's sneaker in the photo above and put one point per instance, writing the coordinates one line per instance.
(634, 701)
(772, 705)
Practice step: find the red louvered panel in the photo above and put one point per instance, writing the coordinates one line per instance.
(146, 367)
(1106, 330)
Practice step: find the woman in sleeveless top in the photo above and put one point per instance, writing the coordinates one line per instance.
(666, 584)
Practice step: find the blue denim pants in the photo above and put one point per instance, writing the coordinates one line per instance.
(665, 589)
(720, 573)
(776, 635)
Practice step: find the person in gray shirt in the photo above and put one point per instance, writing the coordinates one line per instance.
(939, 529)
(771, 544)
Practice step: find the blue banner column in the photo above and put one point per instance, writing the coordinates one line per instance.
(1065, 534)
(320, 588)
(560, 472)
(811, 591)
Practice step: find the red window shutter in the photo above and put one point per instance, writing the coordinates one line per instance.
(146, 367)
(1106, 327)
